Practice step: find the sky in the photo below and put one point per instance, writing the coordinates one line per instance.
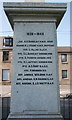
(63, 30)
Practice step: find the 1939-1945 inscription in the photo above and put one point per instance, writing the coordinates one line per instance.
(35, 60)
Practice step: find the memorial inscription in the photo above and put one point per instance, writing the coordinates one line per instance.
(35, 59)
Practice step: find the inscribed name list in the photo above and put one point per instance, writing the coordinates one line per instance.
(35, 55)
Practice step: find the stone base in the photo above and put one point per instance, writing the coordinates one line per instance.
(35, 117)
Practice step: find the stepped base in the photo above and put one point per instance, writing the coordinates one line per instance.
(35, 117)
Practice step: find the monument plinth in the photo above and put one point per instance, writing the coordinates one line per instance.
(35, 85)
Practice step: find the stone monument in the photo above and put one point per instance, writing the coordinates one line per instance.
(35, 85)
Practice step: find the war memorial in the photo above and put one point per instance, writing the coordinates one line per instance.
(35, 84)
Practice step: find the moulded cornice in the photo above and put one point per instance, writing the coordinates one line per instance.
(34, 12)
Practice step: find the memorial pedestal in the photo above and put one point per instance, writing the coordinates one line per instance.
(35, 86)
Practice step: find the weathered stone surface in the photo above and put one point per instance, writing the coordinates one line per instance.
(35, 87)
